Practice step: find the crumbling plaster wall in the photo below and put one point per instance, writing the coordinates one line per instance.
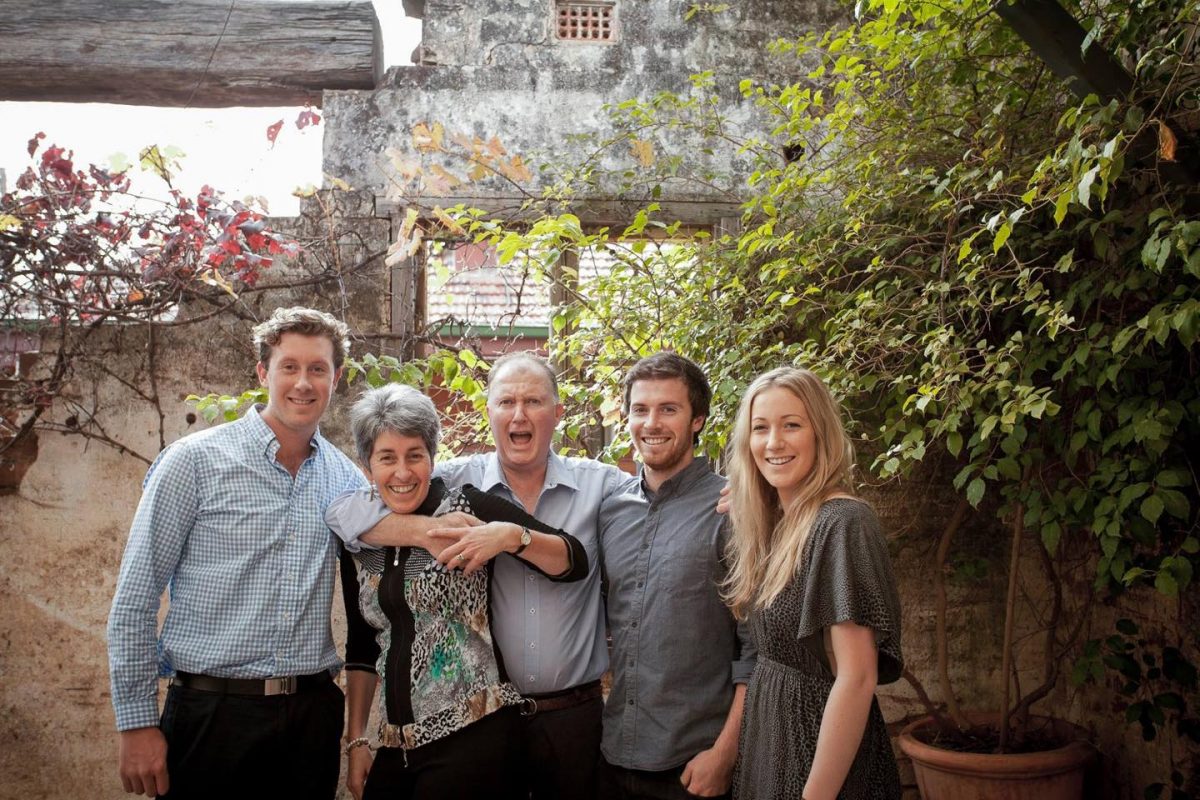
(507, 76)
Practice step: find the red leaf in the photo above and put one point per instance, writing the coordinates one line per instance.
(33, 143)
(307, 117)
(273, 131)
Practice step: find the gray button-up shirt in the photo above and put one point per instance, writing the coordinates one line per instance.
(676, 649)
(550, 634)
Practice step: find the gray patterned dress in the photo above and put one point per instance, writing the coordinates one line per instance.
(845, 575)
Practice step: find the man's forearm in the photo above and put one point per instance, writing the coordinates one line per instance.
(400, 530)
(727, 740)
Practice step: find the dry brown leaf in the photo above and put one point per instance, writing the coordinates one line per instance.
(414, 244)
(643, 151)
(478, 171)
(410, 222)
(448, 221)
(1166, 142)
(447, 178)
(425, 138)
(516, 170)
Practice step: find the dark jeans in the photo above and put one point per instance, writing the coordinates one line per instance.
(478, 761)
(560, 751)
(235, 746)
(618, 783)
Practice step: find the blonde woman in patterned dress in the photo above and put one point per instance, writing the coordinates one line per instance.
(447, 710)
(810, 569)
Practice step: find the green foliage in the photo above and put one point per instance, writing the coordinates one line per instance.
(1157, 687)
(989, 271)
(224, 406)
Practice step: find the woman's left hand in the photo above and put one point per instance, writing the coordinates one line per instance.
(358, 765)
(469, 549)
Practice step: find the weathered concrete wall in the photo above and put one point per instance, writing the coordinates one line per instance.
(505, 75)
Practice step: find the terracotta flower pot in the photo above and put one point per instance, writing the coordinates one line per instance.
(950, 775)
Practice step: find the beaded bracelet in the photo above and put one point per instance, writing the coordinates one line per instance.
(361, 741)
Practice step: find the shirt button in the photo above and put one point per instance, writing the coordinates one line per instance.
(633, 624)
(533, 611)
(630, 701)
(640, 584)
(531, 579)
(532, 679)
(533, 645)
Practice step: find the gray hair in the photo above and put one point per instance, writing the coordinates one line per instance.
(306, 322)
(399, 409)
(523, 358)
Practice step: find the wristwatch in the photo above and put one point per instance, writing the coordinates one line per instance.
(526, 538)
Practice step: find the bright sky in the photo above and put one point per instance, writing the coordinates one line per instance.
(226, 148)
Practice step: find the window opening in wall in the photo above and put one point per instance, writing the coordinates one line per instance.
(585, 22)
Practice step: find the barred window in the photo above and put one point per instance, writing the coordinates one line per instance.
(585, 22)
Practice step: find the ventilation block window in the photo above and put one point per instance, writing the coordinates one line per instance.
(585, 22)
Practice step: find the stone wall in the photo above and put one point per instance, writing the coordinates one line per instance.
(507, 76)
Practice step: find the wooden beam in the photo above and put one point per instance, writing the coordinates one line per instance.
(591, 211)
(204, 53)
(1052, 33)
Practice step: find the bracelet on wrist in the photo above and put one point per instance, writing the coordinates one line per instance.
(360, 741)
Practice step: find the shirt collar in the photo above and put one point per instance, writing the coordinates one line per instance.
(678, 482)
(261, 433)
(557, 473)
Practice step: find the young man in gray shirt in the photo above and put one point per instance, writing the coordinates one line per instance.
(680, 661)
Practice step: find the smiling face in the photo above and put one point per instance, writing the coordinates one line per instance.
(299, 377)
(523, 412)
(400, 467)
(662, 427)
(782, 441)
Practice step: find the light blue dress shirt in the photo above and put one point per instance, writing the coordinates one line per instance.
(248, 557)
(550, 634)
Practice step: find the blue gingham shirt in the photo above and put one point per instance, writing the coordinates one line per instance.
(248, 558)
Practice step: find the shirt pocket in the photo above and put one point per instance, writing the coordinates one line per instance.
(690, 570)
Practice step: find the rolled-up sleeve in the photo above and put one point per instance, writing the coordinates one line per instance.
(354, 513)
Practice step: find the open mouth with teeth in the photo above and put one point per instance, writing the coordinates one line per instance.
(655, 440)
(778, 461)
(402, 488)
(521, 437)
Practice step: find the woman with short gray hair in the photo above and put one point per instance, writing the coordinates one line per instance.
(447, 711)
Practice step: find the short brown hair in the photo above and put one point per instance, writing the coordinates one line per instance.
(306, 322)
(665, 365)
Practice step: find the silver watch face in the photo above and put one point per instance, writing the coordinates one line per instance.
(526, 537)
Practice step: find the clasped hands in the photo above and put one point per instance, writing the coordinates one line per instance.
(464, 542)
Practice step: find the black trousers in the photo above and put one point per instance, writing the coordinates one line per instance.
(561, 750)
(619, 783)
(478, 761)
(239, 746)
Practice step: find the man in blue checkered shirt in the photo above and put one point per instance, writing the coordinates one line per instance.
(232, 520)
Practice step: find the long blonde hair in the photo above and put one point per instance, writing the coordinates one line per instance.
(768, 540)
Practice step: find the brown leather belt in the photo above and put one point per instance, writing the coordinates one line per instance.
(557, 701)
(261, 687)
